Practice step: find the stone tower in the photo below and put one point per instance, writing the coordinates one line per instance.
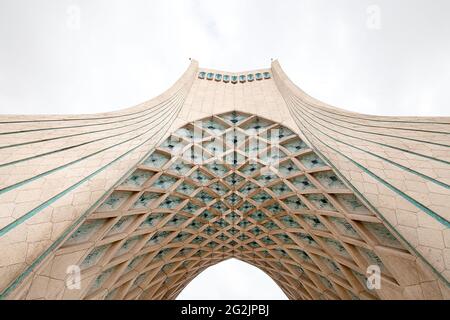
(134, 204)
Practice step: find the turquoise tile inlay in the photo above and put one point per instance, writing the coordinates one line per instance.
(256, 231)
(128, 245)
(85, 232)
(176, 221)
(156, 160)
(210, 230)
(173, 145)
(100, 280)
(337, 247)
(287, 168)
(220, 207)
(214, 146)
(200, 177)
(268, 241)
(282, 253)
(207, 215)
(344, 227)
(185, 188)
(384, 236)
(158, 237)
(233, 216)
(311, 161)
(180, 168)
(246, 207)
(170, 202)
(137, 178)
(204, 197)
(267, 177)
(329, 180)
(332, 266)
(280, 189)
(313, 222)
(217, 169)
(254, 244)
(270, 225)
(326, 282)
(275, 208)
(162, 253)
(295, 145)
(233, 199)
(221, 224)
(244, 224)
(135, 262)
(258, 215)
(302, 183)
(320, 202)
(301, 254)
(152, 220)
(94, 256)
(295, 203)
(213, 126)
(114, 201)
(275, 135)
(233, 179)
(219, 188)
(164, 182)
(255, 126)
(195, 155)
(272, 156)
(121, 225)
(284, 238)
(373, 259)
(212, 244)
(186, 132)
(250, 169)
(352, 204)
(139, 280)
(195, 224)
(288, 221)
(146, 199)
(306, 239)
(248, 188)
(234, 117)
(261, 197)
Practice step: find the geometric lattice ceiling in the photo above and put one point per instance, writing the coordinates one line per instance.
(232, 185)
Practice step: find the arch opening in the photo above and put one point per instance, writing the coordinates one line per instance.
(232, 279)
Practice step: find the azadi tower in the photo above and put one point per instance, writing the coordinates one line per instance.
(136, 203)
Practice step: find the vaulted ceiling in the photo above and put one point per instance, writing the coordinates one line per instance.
(233, 185)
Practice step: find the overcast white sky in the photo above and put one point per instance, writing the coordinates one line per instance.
(232, 279)
(386, 57)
